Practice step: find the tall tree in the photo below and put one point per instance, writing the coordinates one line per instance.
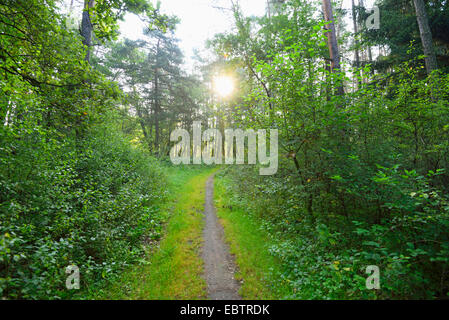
(399, 28)
(426, 36)
(159, 94)
(332, 42)
(356, 30)
(370, 54)
(100, 18)
(356, 40)
(87, 26)
(156, 97)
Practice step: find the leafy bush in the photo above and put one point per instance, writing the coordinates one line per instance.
(326, 257)
(374, 194)
(91, 202)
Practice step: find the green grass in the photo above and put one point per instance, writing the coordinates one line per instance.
(258, 269)
(173, 269)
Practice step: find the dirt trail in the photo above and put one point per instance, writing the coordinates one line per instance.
(218, 262)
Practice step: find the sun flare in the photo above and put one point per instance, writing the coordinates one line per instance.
(223, 86)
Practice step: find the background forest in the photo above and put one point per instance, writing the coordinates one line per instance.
(362, 115)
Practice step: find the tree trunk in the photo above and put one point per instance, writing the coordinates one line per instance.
(87, 27)
(156, 100)
(356, 41)
(144, 128)
(368, 48)
(332, 42)
(426, 36)
(156, 110)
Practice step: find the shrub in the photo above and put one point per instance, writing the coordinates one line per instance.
(91, 202)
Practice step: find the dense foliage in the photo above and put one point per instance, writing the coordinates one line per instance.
(364, 176)
(73, 190)
(362, 118)
(399, 29)
(63, 204)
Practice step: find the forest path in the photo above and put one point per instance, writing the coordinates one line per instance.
(219, 266)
